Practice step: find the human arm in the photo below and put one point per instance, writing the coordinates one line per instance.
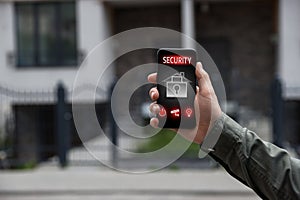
(270, 171)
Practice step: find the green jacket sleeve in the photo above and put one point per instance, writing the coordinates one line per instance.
(269, 170)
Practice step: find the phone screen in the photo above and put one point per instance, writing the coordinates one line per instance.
(177, 87)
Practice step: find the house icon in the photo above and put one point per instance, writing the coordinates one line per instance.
(177, 85)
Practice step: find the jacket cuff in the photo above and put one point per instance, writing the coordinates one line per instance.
(230, 136)
(212, 137)
(222, 137)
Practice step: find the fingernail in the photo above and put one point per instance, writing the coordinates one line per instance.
(156, 108)
(199, 65)
(153, 123)
(151, 94)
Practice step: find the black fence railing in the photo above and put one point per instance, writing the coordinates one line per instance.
(40, 128)
(37, 125)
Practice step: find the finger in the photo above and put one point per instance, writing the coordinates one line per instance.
(200, 73)
(154, 122)
(152, 78)
(197, 89)
(205, 86)
(153, 93)
(154, 108)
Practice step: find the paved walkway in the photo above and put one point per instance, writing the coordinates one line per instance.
(74, 183)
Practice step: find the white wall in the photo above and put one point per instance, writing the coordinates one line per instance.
(289, 47)
(93, 27)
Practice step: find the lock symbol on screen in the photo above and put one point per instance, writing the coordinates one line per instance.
(177, 85)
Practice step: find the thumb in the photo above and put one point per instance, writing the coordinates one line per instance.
(204, 83)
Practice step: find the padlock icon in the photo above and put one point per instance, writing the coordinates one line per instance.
(177, 85)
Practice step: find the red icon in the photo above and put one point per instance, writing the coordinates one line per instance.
(175, 112)
(189, 112)
(162, 112)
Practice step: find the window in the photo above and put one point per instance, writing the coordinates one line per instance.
(46, 34)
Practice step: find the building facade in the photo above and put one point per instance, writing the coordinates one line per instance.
(43, 43)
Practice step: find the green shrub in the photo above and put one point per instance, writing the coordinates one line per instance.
(164, 137)
(26, 166)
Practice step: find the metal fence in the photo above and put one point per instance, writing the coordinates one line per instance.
(37, 126)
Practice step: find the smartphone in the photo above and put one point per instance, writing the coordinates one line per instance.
(176, 84)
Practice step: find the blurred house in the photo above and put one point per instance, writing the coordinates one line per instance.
(44, 42)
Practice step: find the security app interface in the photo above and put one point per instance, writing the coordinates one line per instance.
(177, 87)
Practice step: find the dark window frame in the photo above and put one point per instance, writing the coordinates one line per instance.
(58, 35)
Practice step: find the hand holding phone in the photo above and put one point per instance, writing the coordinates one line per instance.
(176, 84)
